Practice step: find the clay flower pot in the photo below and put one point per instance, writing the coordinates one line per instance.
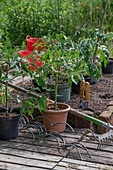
(56, 116)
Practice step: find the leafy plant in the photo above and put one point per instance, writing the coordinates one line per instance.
(8, 61)
(40, 17)
(65, 60)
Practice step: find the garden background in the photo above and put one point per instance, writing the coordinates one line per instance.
(36, 18)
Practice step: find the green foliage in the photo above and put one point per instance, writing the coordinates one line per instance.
(40, 17)
(67, 60)
(9, 59)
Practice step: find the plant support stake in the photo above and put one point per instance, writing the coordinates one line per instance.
(100, 30)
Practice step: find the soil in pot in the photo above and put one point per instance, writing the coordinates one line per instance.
(9, 125)
(56, 116)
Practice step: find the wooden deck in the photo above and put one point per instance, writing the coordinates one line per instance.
(25, 154)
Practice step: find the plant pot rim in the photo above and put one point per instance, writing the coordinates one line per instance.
(61, 104)
(58, 83)
(12, 115)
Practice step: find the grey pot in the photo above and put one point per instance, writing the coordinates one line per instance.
(63, 92)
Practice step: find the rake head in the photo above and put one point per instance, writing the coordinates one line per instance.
(106, 139)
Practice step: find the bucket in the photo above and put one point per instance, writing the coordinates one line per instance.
(24, 53)
(38, 63)
(31, 41)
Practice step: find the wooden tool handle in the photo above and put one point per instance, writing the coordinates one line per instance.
(82, 88)
(87, 91)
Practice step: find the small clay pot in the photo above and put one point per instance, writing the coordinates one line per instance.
(56, 116)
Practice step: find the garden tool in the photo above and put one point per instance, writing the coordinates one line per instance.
(85, 89)
(102, 139)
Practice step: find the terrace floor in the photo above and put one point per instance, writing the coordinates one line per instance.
(25, 154)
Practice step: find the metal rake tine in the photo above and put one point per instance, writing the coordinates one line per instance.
(59, 135)
(38, 126)
(26, 118)
(55, 123)
(49, 134)
(26, 128)
(67, 145)
(110, 139)
(93, 134)
(41, 126)
(85, 129)
(45, 118)
(105, 138)
(101, 143)
(84, 148)
(32, 117)
(21, 122)
(66, 124)
(34, 126)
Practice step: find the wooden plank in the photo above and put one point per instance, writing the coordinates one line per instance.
(28, 147)
(10, 166)
(26, 161)
(70, 162)
(99, 155)
(33, 148)
(89, 138)
(31, 155)
(92, 147)
(47, 143)
(94, 158)
(74, 166)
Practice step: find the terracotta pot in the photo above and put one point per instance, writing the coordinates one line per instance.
(56, 116)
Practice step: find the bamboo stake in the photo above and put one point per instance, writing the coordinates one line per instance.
(23, 90)
(100, 30)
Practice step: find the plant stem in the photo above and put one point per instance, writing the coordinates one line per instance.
(100, 30)
(91, 12)
(56, 85)
(59, 17)
(6, 91)
(6, 97)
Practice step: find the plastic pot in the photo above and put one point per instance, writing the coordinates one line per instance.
(63, 92)
(75, 88)
(9, 126)
(109, 68)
